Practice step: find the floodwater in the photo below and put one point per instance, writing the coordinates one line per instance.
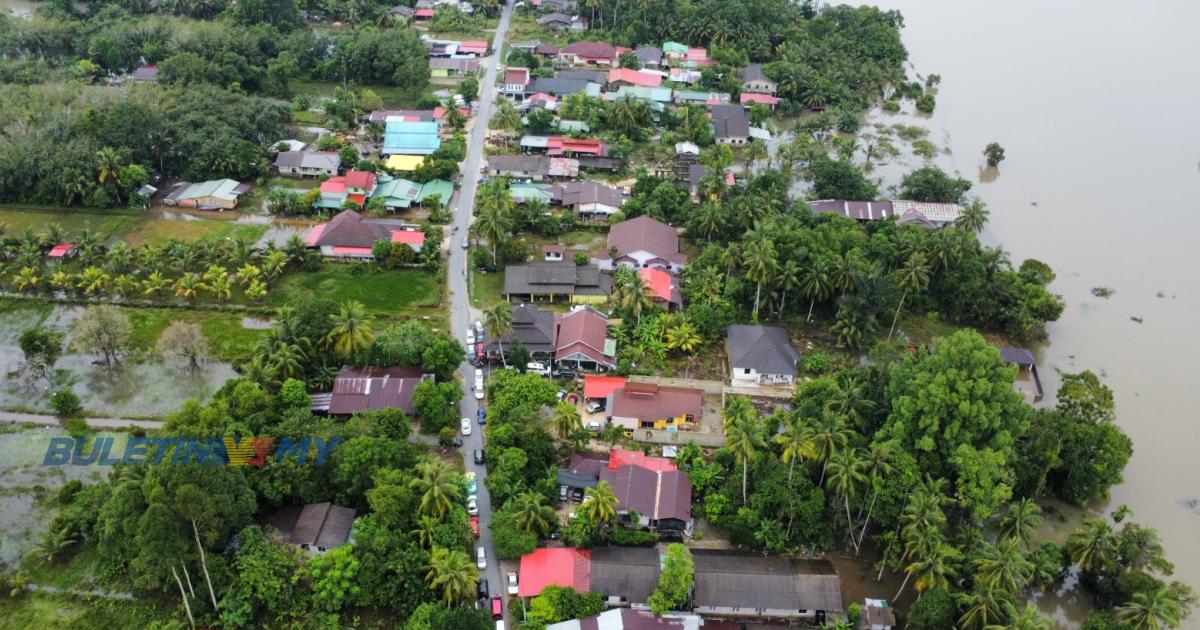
(1093, 101)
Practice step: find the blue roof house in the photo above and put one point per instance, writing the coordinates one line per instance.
(403, 137)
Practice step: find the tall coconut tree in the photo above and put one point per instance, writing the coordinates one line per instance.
(795, 443)
(1021, 518)
(565, 419)
(439, 487)
(830, 435)
(788, 279)
(847, 477)
(744, 438)
(1093, 546)
(760, 264)
(815, 283)
(452, 573)
(1003, 567)
(974, 216)
(426, 525)
(494, 214)
(497, 321)
(879, 466)
(1154, 609)
(351, 333)
(913, 276)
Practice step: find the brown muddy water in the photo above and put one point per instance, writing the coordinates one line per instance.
(1094, 102)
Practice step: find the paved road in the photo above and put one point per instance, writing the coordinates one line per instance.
(461, 315)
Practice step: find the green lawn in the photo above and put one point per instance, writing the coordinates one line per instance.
(42, 610)
(68, 574)
(486, 289)
(228, 339)
(392, 292)
(105, 224)
(161, 230)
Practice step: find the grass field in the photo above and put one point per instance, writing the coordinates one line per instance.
(486, 289)
(227, 338)
(43, 610)
(104, 224)
(410, 292)
(156, 230)
(393, 96)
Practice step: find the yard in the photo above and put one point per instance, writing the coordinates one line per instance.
(394, 96)
(486, 289)
(134, 227)
(388, 293)
(104, 223)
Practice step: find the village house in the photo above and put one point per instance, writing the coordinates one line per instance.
(754, 80)
(926, 214)
(663, 286)
(592, 201)
(653, 488)
(315, 528)
(145, 74)
(308, 163)
(649, 406)
(63, 251)
(217, 194)
(591, 53)
(348, 236)
(630, 619)
(533, 327)
(618, 77)
(564, 86)
(876, 615)
(766, 100)
(563, 22)
(402, 11)
(557, 281)
(410, 137)
(553, 253)
(645, 242)
(453, 67)
(370, 388)
(760, 355)
(649, 56)
(581, 341)
(532, 167)
(1027, 382)
(381, 116)
(516, 82)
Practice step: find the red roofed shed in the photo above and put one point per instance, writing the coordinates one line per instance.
(62, 251)
(601, 386)
(554, 566)
(620, 457)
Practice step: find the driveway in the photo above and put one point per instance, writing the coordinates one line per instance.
(460, 310)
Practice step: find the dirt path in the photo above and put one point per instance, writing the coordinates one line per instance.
(96, 423)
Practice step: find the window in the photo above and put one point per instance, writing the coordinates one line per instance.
(745, 370)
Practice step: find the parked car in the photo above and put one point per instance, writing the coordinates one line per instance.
(497, 607)
(478, 329)
(479, 393)
(466, 426)
(473, 505)
(481, 415)
(474, 520)
(561, 394)
(537, 368)
(479, 456)
(562, 493)
(593, 426)
(480, 557)
(465, 243)
(595, 406)
(478, 377)
(470, 338)
(482, 590)
(512, 583)
(565, 373)
(472, 487)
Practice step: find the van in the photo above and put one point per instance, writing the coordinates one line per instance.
(480, 557)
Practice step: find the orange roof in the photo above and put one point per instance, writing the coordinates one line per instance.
(601, 386)
(761, 99)
(334, 185)
(561, 566)
(473, 46)
(659, 282)
(620, 457)
(634, 77)
(364, 180)
(61, 250)
(410, 237)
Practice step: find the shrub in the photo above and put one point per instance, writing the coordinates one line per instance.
(817, 363)
(64, 401)
(624, 537)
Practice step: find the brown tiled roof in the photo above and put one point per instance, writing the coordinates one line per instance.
(652, 402)
(359, 389)
(592, 49)
(583, 330)
(648, 234)
(578, 193)
(348, 229)
(533, 327)
(656, 495)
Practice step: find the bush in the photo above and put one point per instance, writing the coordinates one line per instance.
(64, 401)
(624, 537)
(817, 363)
(933, 611)
(66, 494)
(926, 103)
(78, 428)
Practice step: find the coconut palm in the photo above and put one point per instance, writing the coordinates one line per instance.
(707, 221)
(1093, 545)
(983, 607)
(497, 321)
(284, 361)
(248, 274)
(796, 443)
(736, 409)
(1003, 567)
(274, 263)
(439, 487)
(788, 279)
(842, 272)
(54, 542)
(1153, 609)
(494, 213)
(530, 513)
(119, 258)
(847, 475)
(125, 285)
(830, 435)
(221, 286)
(424, 530)
(913, 276)
(61, 280)
(108, 166)
(1139, 549)
(683, 336)
(154, 284)
(755, 151)
(27, 279)
(452, 572)
(187, 285)
(744, 438)
(351, 332)
(879, 466)
(760, 265)
(256, 291)
(1020, 520)
(815, 283)
(600, 503)
(565, 419)
(1027, 618)
(931, 561)
(974, 216)
(92, 280)
(633, 294)
(850, 401)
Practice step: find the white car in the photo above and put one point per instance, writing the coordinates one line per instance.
(478, 378)
(480, 558)
(538, 368)
(466, 426)
(479, 393)
(595, 407)
(465, 244)
(473, 505)
(470, 338)
(512, 583)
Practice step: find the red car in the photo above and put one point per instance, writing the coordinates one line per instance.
(475, 526)
(497, 607)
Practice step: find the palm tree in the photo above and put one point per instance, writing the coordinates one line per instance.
(54, 542)
(983, 607)
(1093, 545)
(256, 291)
(439, 487)
(879, 466)
(755, 151)
(1153, 609)
(27, 279)
(683, 336)
(221, 286)
(497, 321)
(1020, 520)
(424, 531)
(760, 263)
(600, 503)
(108, 166)
(93, 280)
(931, 561)
(913, 276)
(248, 274)
(452, 572)
(974, 216)
(841, 275)
(788, 279)
(707, 221)
(1003, 567)
(61, 280)
(565, 419)
(830, 435)
(815, 284)
(351, 332)
(796, 443)
(846, 476)
(187, 285)
(851, 401)
(634, 295)
(494, 216)
(531, 514)
(154, 283)
(744, 438)
(274, 263)
(1027, 618)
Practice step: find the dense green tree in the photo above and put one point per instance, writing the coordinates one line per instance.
(930, 183)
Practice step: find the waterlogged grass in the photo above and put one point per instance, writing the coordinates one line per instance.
(105, 224)
(75, 572)
(228, 340)
(392, 292)
(45, 610)
(159, 231)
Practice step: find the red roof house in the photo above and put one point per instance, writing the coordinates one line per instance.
(473, 47)
(554, 566)
(598, 53)
(663, 288)
(423, 14)
(62, 251)
(627, 76)
(761, 99)
(595, 386)
(371, 387)
(620, 457)
(562, 145)
(409, 237)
